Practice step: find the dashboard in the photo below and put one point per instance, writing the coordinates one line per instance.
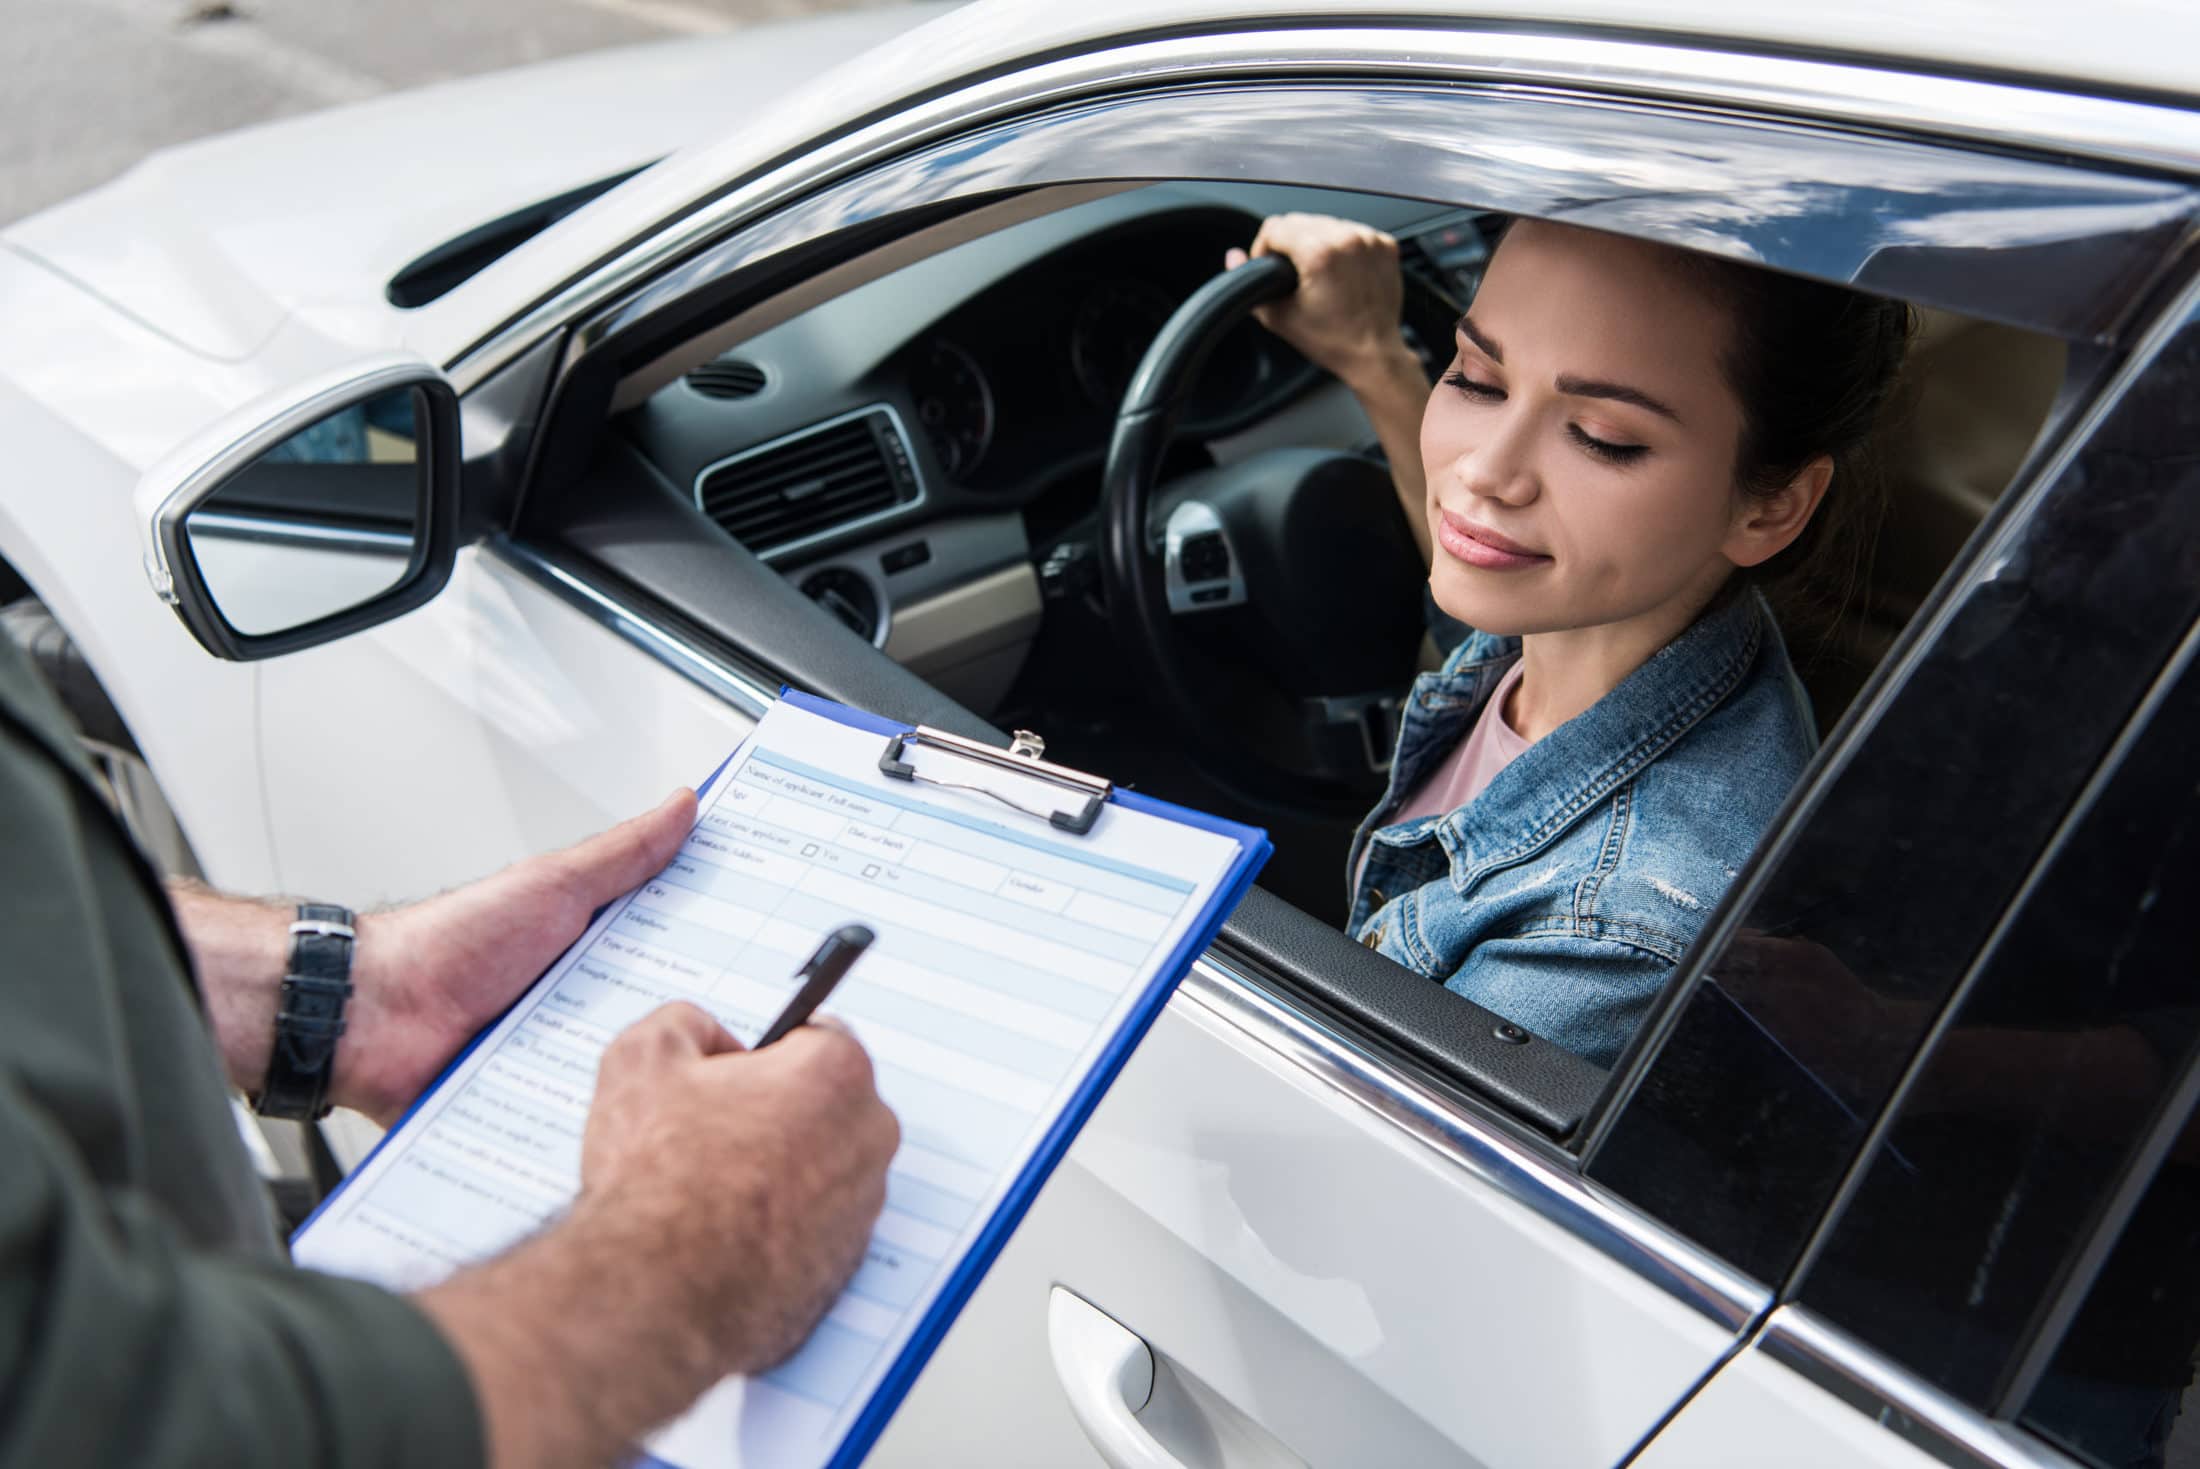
(929, 431)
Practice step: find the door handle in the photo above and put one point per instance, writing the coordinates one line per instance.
(1107, 1372)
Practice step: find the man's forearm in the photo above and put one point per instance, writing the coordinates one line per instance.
(239, 949)
(572, 1351)
(1393, 392)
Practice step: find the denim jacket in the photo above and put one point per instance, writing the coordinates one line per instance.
(1564, 893)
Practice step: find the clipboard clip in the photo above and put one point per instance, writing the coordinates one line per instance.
(1022, 758)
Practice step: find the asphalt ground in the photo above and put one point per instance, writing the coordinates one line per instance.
(92, 86)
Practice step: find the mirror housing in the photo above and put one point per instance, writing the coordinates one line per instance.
(218, 459)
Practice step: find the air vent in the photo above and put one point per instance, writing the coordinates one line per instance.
(810, 482)
(729, 377)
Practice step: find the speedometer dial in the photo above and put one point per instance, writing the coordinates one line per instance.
(1109, 336)
(954, 405)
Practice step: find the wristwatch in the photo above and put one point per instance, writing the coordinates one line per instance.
(310, 1015)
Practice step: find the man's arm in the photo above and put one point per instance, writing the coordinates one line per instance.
(121, 1343)
(725, 1198)
(1344, 319)
(426, 976)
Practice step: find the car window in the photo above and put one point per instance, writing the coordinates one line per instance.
(1896, 867)
(2066, 1049)
(986, 508)
(2118, 1390)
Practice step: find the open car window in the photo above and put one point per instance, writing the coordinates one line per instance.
(824, 454)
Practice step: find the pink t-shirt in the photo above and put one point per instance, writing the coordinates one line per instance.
(1473, 763)
(1467, 771)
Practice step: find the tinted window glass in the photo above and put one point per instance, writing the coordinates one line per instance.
(2118, 1391)
(2062, 1051)
(1904, 857)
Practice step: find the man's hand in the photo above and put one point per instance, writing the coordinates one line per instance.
(1344, 316)
(693, 1142)
(725, 1198)
(428, 975)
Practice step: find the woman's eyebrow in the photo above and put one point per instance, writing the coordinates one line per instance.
(1568, 383)
(1583, 387)
(1466, 328)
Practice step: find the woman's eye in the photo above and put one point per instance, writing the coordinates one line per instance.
(1605, 449)
(1483, 391)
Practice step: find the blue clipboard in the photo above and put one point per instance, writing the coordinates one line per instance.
(1253, 849)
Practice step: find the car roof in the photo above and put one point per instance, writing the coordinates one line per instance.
(2115, 48)
(2143, 46)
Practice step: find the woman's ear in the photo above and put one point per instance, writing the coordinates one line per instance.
(1768, 524)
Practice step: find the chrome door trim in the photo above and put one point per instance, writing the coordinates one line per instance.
(1215, 994)
(747, 689)
(1891, 100)
(1933, 225)
(1221, 996)
(1921, 1416)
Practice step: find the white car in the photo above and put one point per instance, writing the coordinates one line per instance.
(504, 448)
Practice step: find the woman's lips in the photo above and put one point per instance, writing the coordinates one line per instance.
(1487, 549)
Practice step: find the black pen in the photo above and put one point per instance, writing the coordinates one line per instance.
(826, 968)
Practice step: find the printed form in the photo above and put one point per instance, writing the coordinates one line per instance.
(1008, 955)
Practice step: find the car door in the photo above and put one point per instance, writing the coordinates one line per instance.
(1326, 1215)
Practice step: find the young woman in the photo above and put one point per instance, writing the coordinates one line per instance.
(1629, 445)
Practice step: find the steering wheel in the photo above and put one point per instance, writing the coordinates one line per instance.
(1273, 606)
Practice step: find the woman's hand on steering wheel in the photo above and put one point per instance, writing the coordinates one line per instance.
(1344, 316)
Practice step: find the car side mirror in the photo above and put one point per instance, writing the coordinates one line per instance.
(310, 514)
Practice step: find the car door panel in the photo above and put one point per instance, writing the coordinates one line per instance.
(1362, 1297)
(1756, 1402)
(496, 721)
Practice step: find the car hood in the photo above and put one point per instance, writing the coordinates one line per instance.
(216, 243)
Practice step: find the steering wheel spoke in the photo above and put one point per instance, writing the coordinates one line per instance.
(1201, 570)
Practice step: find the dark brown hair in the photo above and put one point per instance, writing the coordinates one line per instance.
(1811, 366)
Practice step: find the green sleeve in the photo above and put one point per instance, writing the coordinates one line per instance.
(121, 1345)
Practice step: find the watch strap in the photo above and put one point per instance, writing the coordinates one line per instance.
(309, 1015)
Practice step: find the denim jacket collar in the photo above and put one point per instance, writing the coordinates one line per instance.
(1541, 793)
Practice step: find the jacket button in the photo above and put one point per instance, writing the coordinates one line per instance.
(1511, 1034)
(1375, 897)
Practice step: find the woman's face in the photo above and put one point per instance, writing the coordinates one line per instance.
(1580, 448)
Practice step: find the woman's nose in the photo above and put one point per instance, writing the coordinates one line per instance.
(1500, 468)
